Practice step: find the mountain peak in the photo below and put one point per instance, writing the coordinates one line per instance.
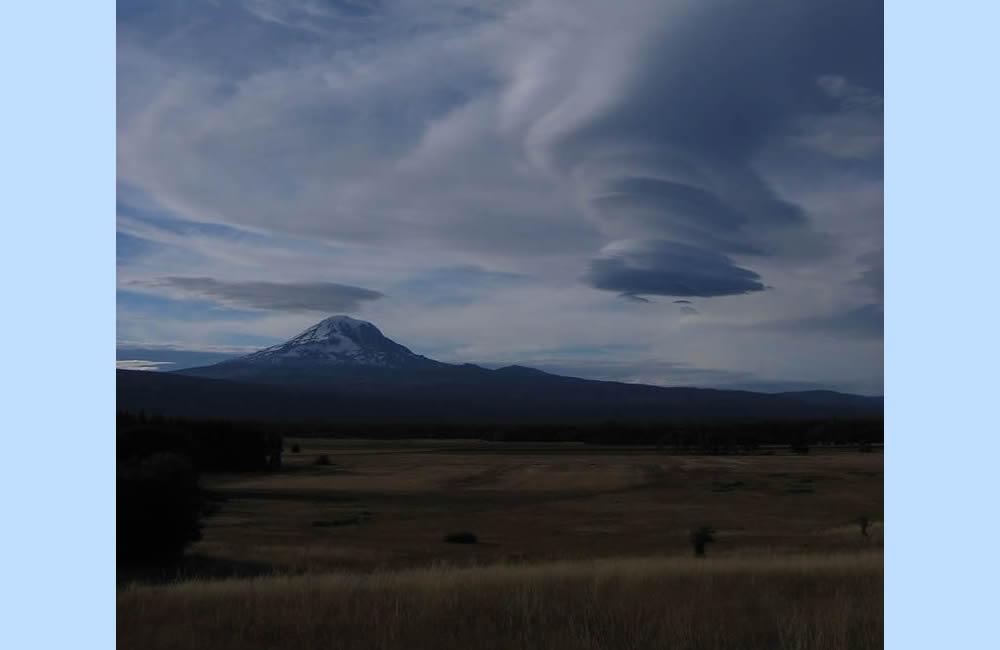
(336, 341)
(334, 327)
(343, 318)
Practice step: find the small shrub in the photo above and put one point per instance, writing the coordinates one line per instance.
(347, 521)
(701, 536)
(726, 486)
(296, 448)
(464, 537)
(322, 459)
(800, 447)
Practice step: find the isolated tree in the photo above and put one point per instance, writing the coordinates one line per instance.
(863, 522)
(701, 536)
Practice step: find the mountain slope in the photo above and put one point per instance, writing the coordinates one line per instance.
(338, 340)
(493, 399)
(343, 368)
(333, 346)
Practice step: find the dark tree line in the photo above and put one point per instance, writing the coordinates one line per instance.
(681, 436)
(211, 445)
(160, 503)
(678, 436)
(159, 509)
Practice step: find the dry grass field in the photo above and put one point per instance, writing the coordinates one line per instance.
(828, 601)
(578, 547)
(532, 502)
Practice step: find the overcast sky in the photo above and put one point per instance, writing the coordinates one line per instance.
(672, 192)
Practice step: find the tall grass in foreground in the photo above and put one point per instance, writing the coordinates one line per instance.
(766, 602)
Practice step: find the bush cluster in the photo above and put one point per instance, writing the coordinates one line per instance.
(463, 537)
(160, 505)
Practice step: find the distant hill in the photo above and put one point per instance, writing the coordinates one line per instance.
(346, 369)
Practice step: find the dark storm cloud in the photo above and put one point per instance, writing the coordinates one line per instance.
(682, 302)
(744, 222)
(668, 268)
(300, 296)
(673, 157)
(631, 297)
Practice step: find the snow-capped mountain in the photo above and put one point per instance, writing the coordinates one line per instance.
(340, 341)
(342, 367)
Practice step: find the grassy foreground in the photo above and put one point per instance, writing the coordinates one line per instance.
(818, 601)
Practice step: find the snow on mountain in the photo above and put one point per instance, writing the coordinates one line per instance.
(338, 340)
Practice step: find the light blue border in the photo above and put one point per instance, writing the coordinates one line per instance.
(941, 399)
(941, 356)
(58, 324)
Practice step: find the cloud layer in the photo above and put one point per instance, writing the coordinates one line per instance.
(308, 296)
(142, 364)
(508, 174)
(668, 268)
